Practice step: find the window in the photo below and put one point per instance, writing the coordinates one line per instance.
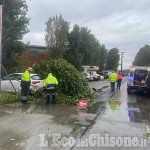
(9, 77)
(34, 54)
(18, 76)
(36, 77)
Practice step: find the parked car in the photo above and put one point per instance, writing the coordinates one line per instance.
(36, 81)
(88, 77)
(101, 77)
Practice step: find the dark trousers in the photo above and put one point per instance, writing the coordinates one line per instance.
(48, 96)
(112, 86)
(119, 83)
(24, 91)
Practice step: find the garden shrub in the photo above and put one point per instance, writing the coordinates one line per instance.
(71, 85)
(8, 98)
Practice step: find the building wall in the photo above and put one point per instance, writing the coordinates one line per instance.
(32, 56)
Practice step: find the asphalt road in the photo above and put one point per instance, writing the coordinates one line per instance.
(123, 116)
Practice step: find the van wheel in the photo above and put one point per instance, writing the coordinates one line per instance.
(129, 90)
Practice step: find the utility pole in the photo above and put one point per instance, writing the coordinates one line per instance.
(122, 60)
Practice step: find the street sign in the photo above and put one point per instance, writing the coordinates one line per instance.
(82, 104)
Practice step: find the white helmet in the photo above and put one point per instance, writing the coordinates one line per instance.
(30, 69)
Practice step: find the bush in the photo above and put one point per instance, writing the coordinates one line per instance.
(8, 98)
(71, 85)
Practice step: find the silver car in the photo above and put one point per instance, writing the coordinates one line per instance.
(36, 82)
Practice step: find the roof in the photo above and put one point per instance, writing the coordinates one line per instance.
(91, 67)
(30, 74)
(108, 71)
(38, 48)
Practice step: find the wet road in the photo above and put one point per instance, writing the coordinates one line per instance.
(123, 116)
(30, 127)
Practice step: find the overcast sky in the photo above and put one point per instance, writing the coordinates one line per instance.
(124, 24)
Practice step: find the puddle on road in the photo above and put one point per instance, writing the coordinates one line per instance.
(64, 115)
(135, 108)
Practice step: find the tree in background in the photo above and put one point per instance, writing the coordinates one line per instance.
(103, 55)
(56, 36)
(112, 60)
(73, 54)
(84, 48)
(14, 27)
(89, 47)
(143, 57)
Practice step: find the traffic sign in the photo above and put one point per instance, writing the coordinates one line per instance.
(82, 104)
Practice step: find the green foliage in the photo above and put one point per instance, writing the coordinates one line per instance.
(71, 85)
(90, 47)
(84, 48)
(7, 98)
(73, 54)
(143, 57)
(102, 59)
(112, 60)
(14, 27)
(56, 36)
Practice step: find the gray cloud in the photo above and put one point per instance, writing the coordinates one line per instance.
(120, 23)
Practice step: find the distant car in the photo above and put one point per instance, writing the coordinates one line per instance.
(88, 77)
(101, 77)
(104, 75)
(36, 81)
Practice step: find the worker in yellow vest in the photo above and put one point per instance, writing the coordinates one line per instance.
(25, 84)
(112, 78)
(50, 84)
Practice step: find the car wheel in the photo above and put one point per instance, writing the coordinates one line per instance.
(87, 79)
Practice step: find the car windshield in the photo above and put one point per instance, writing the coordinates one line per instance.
(36, 77)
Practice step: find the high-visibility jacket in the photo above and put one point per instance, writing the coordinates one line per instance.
(50, 80)
(26, 76)
(112, 77)
(119, 76)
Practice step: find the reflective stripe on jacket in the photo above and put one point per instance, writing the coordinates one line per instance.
(119, 76)
(112, 77)
(26, 76)
(50, 80)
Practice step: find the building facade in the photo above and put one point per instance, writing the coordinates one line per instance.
(34, 54)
